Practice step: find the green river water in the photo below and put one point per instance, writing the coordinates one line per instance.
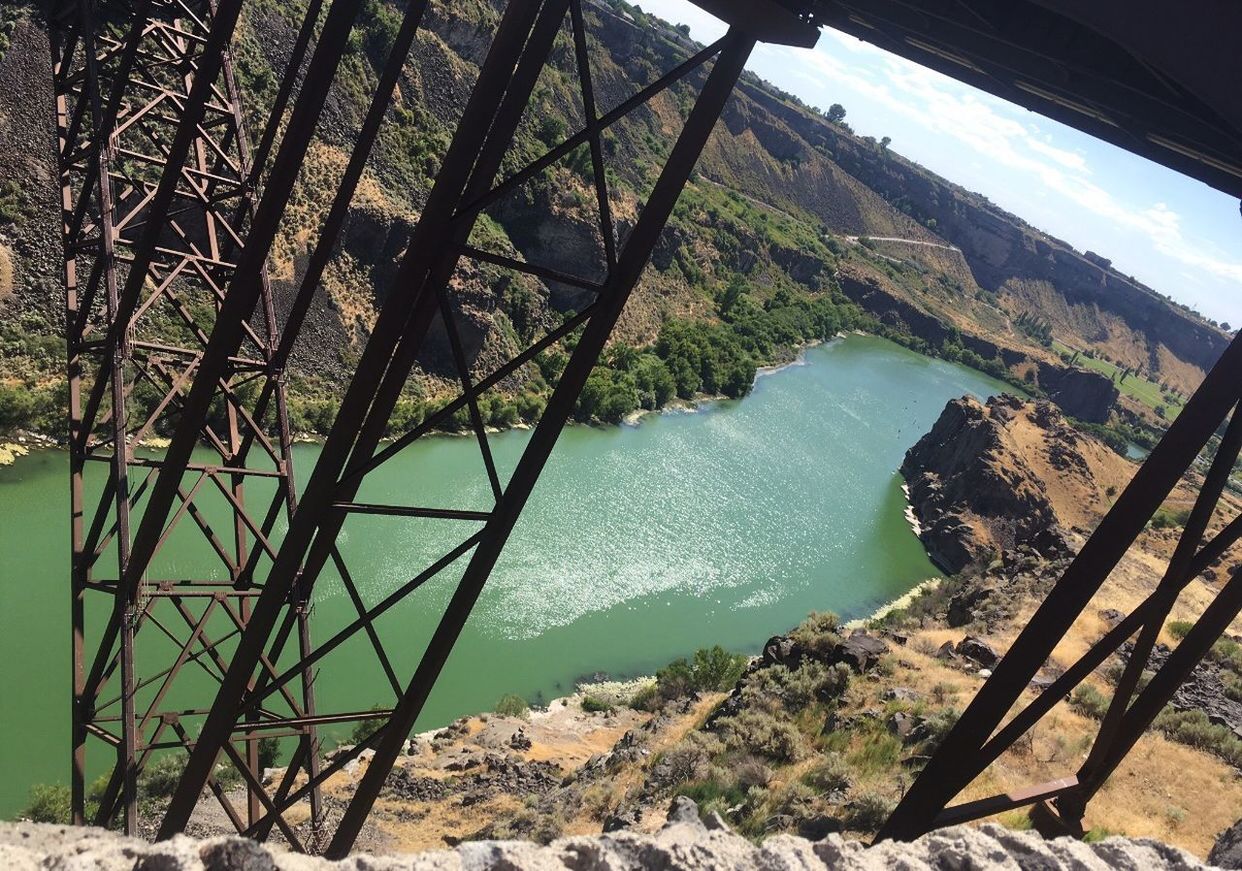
(641, 544)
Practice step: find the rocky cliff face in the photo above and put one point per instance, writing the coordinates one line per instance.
(972, 494)
(1085, 299)
(782, 159)
(991, 478)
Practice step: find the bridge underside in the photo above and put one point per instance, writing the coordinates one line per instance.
(171, 210)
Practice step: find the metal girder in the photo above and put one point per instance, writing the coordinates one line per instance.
(983, 733)
(463, 188)
(157, 202)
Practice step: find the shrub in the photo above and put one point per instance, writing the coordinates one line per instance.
(1194, 728)
(830, 775)
(1166, 518)
(512, 705)
(938, 726)
(675, 680)
(364, 729)
(797, 800)
(48, 804)
(710, 670)
(818, 633)
(526, 824)
(227, 775)
(759, 732)
(867, 811)
(17, 407)
(1228, 653)
(607, 396)
(942, 692)
(269, 752)
(690, 760)
(1233, 686)
(593, 705)
(798, 688)
(715, 669)
(752, 772)
(717, 791)
(161, 776)
(1179, 629)
(646, 699)
(1089, 702)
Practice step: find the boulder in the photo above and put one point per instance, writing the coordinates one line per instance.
(1112, 617)
(899, 694)
(978, 650)
(902, 725)
(965, 604)
(1227, 851)
(819, 827)
(684, 810)
(236, 854)
(860, 651)
(624, 817)
(780, 650)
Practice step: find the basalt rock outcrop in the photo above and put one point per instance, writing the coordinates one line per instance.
(973, 492)
(1227, 851)
(1204, 690)
(1080, 393)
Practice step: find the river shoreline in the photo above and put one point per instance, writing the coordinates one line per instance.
(640, 546)
(23, 441)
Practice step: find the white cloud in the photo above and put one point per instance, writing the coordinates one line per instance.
(989, 126)
(1070, 159)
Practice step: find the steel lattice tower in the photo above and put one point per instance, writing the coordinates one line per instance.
(157, 200)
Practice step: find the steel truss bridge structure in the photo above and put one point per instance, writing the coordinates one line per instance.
(171, 209)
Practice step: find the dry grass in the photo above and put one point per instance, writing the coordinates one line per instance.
(6, 274)
(1163, 790)
(433, 825)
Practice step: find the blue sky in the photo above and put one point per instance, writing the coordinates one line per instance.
(1170, 232)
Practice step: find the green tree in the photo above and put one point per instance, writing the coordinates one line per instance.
(608, 396)
(655, 382)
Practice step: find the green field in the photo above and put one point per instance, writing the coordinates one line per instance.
(1145, 391)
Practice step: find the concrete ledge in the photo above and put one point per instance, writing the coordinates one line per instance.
(679, 845)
